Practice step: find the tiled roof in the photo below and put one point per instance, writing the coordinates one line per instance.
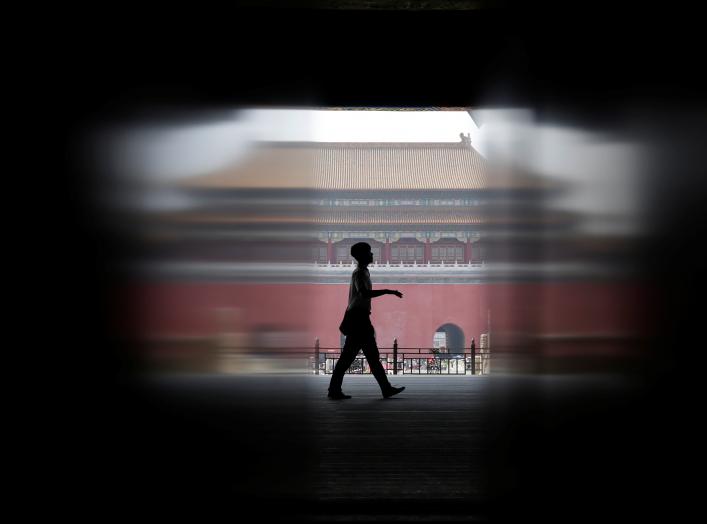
(360, 166)
(372, 217)
(381, 217)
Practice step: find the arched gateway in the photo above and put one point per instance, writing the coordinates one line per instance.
(449, 338)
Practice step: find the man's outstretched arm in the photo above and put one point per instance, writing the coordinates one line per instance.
(379, 292)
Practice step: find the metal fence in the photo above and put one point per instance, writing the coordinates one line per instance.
(395, 360)
(409, 361)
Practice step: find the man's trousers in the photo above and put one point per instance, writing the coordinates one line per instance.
(363, 337)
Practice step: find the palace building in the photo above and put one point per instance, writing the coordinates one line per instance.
(261, 251)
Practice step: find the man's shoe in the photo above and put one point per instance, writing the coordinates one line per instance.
(392, 391)
(338, 395)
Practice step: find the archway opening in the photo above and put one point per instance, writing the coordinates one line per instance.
(449, 338)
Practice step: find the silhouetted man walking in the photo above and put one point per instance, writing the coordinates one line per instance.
(358, 328)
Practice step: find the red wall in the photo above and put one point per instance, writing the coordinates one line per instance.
(308, 311)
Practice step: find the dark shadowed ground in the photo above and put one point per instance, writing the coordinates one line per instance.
(448, 448)
(276, 445)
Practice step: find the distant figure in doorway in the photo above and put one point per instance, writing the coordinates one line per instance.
(358, 328)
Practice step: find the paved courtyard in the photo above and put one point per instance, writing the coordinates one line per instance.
(276, 441)
(447, 448)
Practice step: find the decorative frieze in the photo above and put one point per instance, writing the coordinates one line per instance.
(428, 236)
(464, 236)
(391, 237)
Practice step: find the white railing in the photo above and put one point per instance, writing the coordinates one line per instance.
(414, 265)
(291, 272)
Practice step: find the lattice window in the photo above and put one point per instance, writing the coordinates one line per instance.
(376, 254)
(319, 254)
(343, 254)
(447, 254)
(407, 253)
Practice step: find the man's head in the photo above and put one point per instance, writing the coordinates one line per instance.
(361, 251)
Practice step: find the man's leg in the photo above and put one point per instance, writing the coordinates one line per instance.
(370, 349)
(348, 354)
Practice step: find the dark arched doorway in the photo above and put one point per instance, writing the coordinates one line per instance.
(451, 337)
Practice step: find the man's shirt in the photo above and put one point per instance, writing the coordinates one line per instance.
(360, 281)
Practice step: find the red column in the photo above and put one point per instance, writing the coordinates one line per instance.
(467, 251)
(386, 251)
(428, 251)
(329, 251)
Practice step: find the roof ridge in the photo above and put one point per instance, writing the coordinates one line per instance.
(315, 145)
